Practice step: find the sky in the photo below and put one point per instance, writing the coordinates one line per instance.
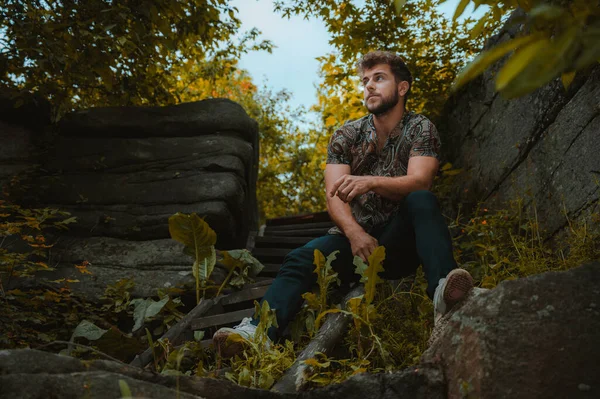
(292, 64)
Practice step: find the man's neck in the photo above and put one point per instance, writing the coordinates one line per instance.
(386, 122)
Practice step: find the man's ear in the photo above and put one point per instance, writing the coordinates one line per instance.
(403, 88)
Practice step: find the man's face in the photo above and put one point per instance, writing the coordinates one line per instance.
(380, 89)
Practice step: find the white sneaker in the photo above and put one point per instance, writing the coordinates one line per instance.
(451, 290)
(245, 329)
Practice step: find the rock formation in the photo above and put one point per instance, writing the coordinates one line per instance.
(123, 171)
(543, 147)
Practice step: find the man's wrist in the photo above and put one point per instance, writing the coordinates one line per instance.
(352, 231)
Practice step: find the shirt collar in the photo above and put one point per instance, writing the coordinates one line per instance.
(397, 131)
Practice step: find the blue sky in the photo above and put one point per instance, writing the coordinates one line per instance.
(292, 65)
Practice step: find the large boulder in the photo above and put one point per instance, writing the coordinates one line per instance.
(535, 337)
(542, 147)
(124, 170)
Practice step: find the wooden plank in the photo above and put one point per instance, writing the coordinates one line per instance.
(261, 253)
(306, 218)
(302, 226)
(246, 294)
(281, 242)
(313, 233)
(218, 320)
(271, 269)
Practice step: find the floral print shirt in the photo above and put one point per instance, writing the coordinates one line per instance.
(355, 144)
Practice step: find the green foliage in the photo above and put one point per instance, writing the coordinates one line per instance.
(262, 362)
(92, 53)
(559, 38)
(199, 240)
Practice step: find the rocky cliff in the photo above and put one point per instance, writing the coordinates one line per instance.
(543, 147)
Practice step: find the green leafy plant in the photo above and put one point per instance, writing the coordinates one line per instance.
(199, 240)
(558, 39)
(262, 362)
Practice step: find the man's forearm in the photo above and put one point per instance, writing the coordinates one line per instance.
(396, 188)
(341, 214)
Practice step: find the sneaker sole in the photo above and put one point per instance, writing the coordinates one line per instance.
(458, 284)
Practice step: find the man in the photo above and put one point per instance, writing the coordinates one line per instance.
(379, 170)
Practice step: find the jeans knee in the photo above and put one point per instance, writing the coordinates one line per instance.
(298, 260)
(421, 201)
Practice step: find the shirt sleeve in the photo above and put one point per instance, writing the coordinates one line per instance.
(338, 150)
(426, 142)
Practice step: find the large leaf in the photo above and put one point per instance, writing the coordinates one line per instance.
(550, 63)
(519, 61)
(372, 273)
(88, 330)
(194, 233)
(204, 267)
(146, 309)
(242, 258)
(489, 57)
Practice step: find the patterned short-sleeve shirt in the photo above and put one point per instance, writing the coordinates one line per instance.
(355, 144)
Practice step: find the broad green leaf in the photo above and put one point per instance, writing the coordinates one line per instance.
(194, 233)
(372, 273)
(203, 269)
(145, 309)
(88, 330)
(241, 258)
(548, 65)
(520, 59)
(489, 57)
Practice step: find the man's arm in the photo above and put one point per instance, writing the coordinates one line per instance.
(362, 243)
(420, 174)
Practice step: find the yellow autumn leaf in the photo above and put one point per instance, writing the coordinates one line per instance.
(567, 78)
(489, 57)
(372, 273)
(517, 63)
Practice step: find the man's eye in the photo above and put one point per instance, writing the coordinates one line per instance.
(379, 78)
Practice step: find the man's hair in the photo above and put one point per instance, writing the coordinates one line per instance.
(396, 63)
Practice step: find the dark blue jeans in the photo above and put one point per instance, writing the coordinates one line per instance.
(416, 234)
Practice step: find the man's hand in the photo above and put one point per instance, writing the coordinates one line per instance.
(348, 187)
(362, 244)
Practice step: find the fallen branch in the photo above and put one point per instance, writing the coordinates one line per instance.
(329, 335)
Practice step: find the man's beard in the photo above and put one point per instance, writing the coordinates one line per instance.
(386, 104)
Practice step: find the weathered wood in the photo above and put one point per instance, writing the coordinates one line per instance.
(246, 294)
(302, 226)
(174, 332)
(217, 320)
(271, 269)
(329, 335)
(280, 242)
(262, 253)
(307, 218)
(314, 233)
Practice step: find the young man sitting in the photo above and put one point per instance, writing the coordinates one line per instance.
(378, 175)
